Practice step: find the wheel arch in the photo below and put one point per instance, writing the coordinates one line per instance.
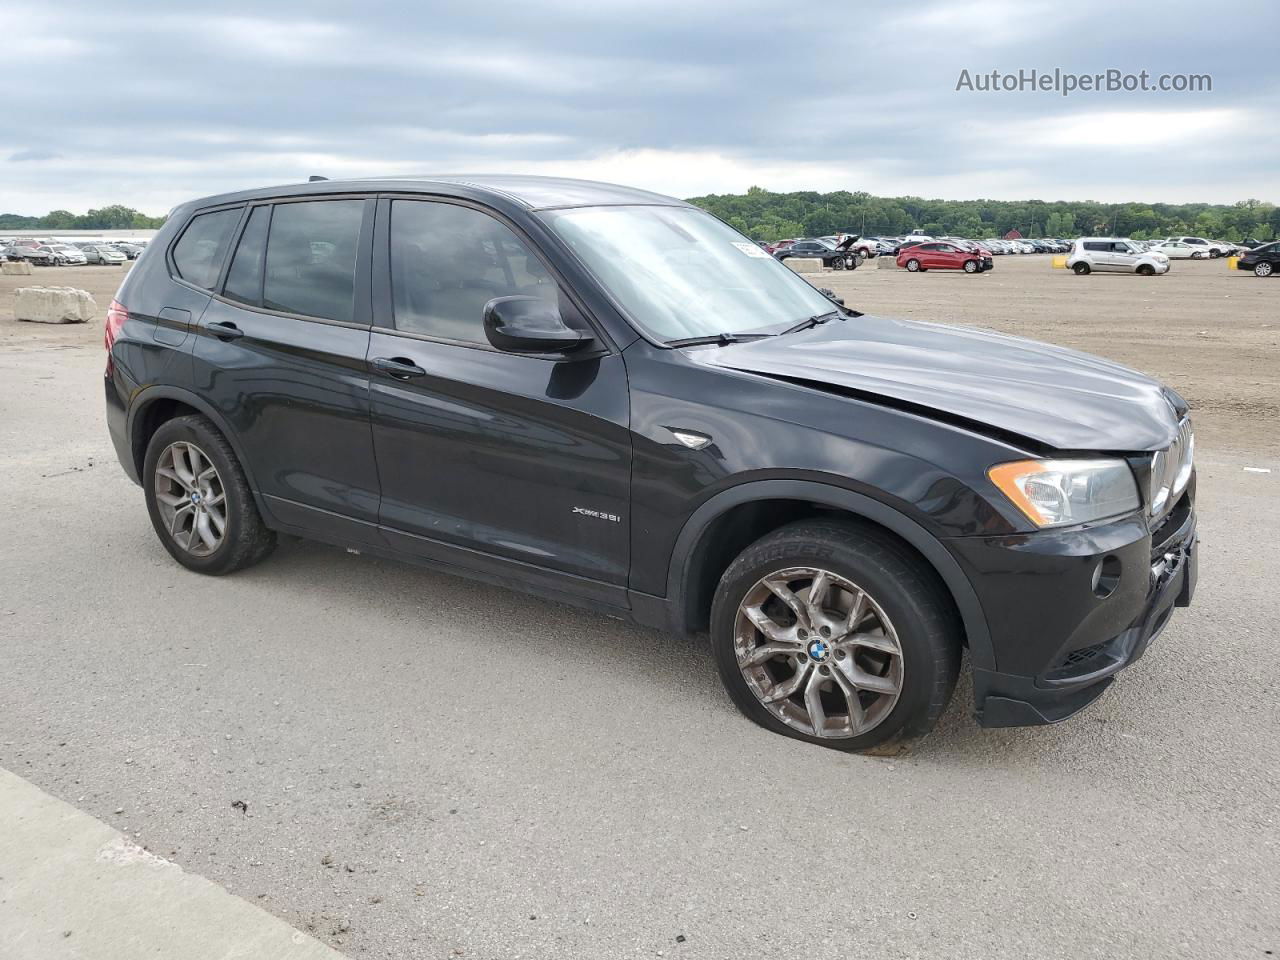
(692, 558)
(155, 406)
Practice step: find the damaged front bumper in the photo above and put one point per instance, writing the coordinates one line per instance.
(1064, 645)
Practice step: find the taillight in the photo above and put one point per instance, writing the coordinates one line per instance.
(116, 317)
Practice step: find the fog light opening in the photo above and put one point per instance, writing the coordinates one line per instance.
(1106, 577)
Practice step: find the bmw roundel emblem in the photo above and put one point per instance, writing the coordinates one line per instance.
(819, 651)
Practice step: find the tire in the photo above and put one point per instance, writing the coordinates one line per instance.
(913, 266)
(1082, 269)
(245, 539)
(1263, 269)
(838, 263)
(1146, 270)
(903, 600)
(971, 266)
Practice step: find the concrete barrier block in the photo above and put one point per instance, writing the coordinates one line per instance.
(886, 262)
(53, 305)
(18, 268)
(1059, 262)
(804, 264)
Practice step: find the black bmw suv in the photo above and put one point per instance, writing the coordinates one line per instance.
(608, 397)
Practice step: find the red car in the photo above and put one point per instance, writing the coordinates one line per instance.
(940, 255)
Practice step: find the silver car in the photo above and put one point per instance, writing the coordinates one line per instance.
(1115, 255)
(64, 254)
(101, 253)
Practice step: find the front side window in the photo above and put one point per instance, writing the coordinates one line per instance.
(679, 272)
(448, 261)
(311, 258)
(197, 256)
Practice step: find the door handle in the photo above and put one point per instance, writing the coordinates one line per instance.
(225, 330)
(399, 368)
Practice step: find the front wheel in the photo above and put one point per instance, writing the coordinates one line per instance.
(838, 263)
(1263, 269)
(971, 266)
(832, 633)
(913, 266)
(199, 499)
(1081, 269)
(1146, 270)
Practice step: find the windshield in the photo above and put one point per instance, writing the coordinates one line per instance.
(679, 272)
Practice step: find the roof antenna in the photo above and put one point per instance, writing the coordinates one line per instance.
(315, 178)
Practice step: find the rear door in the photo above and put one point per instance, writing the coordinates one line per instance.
(1099, 254)
(500, 462)
(280, 351)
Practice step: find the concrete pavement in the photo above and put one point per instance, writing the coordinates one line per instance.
(72, 888)
(443, 766)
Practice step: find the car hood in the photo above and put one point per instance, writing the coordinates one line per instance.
(1051, 395)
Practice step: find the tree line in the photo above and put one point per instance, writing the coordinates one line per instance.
(114, 217)
(764, 215)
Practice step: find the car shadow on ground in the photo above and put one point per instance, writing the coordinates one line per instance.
(401, 592)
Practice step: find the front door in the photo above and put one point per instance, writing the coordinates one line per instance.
(490, 459)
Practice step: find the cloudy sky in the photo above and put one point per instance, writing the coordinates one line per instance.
(148, 105)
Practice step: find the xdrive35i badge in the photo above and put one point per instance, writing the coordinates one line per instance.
(598, 514)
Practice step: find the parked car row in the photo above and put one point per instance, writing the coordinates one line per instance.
(57, 253)
(918, 253)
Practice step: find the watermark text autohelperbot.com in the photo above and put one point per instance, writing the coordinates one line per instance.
(1065, 82)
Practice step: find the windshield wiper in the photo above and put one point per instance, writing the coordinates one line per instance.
(811, 322)
(719, 339)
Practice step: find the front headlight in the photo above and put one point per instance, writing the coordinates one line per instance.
(1055, 493)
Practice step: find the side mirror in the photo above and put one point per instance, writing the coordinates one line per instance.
(529, 325)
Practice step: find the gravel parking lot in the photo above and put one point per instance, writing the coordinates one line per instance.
(435, 768)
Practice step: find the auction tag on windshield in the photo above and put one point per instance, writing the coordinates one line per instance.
(750, 249)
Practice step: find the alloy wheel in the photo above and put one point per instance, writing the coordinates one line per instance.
(1263, 269)
(818, 652)
(191, 498)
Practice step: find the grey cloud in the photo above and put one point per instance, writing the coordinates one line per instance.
(241, 93)
(26, 156)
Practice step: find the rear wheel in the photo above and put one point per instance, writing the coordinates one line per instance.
(831, 633)
(1263, 269)
(1081, 269)
(199, 499)
(913, 266)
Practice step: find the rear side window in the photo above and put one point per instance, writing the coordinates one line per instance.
(448, 261)
(1097, 245)
(197, 256)
(244, 279)
(311, 258)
